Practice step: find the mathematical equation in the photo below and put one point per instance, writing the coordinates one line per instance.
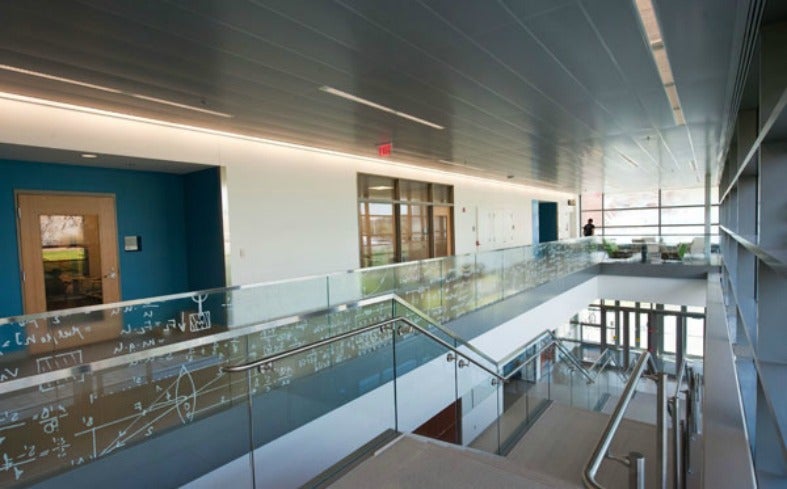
(84, 416)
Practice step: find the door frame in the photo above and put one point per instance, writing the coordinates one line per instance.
(108, 238)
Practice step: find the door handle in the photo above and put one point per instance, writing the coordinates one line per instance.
(111, 275)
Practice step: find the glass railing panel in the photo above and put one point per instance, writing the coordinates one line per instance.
(371, 282)
(459, 286)
(480, 398)
(108, 340)
(515, 270)
(262, 302)
(101, 332)
(421, 286)
(312, 409)
(426, 390)
(448, 287)
(560, 376)
(489, 277)
(71, 417)
(515, 409)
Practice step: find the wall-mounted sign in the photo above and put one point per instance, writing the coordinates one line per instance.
(132, 243)
(384, 149)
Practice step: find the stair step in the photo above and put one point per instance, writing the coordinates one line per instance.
(561, 442)
(417, 462)
(348, 463)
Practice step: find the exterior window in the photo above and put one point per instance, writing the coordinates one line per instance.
(671, 217)
(403, 220)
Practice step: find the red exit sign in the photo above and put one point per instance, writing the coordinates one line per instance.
(384, 149)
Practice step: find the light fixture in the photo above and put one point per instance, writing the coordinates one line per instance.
(181, 106)
(650, 23)
(374, 105)
(628, 159)
(89, 156)
(70, 81)
(381, 187)
(102, 88)
(461, 165)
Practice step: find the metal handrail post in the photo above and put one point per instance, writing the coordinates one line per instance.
(602, 447)
(636, 465)
(661, 430)
(677, 445)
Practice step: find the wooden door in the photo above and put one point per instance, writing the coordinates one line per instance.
(443, 234)
(68, 250)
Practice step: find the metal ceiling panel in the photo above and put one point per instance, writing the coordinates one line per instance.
(551, 91)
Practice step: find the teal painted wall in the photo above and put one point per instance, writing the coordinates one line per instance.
(152, 205)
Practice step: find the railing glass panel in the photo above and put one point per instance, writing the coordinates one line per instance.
(86, 383)
(315, 407)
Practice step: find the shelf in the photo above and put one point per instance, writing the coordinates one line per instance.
(772, 377)
(768, 374)
(776, 259)
(775, 128)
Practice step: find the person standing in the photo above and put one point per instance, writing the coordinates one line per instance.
(589, 228)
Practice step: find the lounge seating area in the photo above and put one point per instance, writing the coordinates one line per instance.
(657, 252)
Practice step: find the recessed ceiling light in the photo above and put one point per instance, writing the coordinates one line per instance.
(89, 155)
(381, 187)
(650, 24)
(628, 159)
(102, 88)
(374, 105)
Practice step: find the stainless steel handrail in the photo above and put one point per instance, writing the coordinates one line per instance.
(679, 376)
(529, 359)
(601, 449)
(598, 360)
(441, 327)
(316, 344)
(570, 356)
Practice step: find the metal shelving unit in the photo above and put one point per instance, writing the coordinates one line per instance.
(754, 246)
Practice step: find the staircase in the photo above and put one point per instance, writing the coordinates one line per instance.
(552, 454)
(414, 462)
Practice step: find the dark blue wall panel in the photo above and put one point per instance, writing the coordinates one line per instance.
(148, 204)
(204, 233)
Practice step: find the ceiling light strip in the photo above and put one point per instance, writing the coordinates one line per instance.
(46, 76)
(628, 159)
(182, 106)
(112, 90)
(231, 135)
(650, 23)
(374, 105)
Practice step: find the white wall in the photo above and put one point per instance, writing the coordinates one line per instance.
(521, 330)
(656, 290)
(292, 210)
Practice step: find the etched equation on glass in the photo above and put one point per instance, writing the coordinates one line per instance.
(80, 387)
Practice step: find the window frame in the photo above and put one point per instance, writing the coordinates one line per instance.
(446, 193)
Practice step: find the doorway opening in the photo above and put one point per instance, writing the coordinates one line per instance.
(544, 221)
